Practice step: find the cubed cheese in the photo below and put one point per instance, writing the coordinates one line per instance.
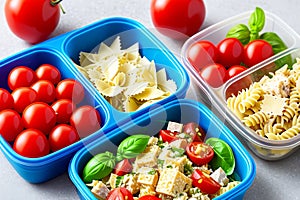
(180, 143)
(177, 163)
(148, 178)
(148, 158)
(175, 127)
(147, 190)
(99, 190)
(220, 176)
(130, 183)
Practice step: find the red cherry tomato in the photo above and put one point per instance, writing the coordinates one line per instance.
(45, 90)
(200, 153)
(70, 89)
(63, 108)
(120, 193)
(6, 99)
(31, 21)
(167, 135)
(214, 75)
(202, 53)
(86, 120)
(24, 96)
(21, 76)
(48, 72)
(39, 115)
(123, 167)
(230, 52)
(10, 124)
(177, 19)
(149, 197)
(194, 129)
(257, 51)
(235, 70)
(204, 182)
(31, 143)
(62, 136)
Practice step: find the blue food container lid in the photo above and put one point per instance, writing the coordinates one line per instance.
(62, 52)
(182, 111)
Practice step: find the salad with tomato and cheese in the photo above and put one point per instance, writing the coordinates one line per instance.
(180, 163)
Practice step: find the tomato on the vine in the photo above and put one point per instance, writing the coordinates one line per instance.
(21, 76)
(230, 52)
(200, 153)
(202, 53)
(10, 124)
(256, 51)
(204, 182)
(31, 143)
(178, 19)
(123, 167)
(214, 74)
(6, 99)
(32, 21)
(119, 193)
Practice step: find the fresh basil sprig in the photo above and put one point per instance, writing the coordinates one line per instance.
(256, 23)
(132, 146)
(223, 157)
(240, 32)
(99, 166)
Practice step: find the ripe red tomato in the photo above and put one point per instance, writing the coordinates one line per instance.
(86, 120)
(24, 96)
(202, 53)
(32, 21)
(39, 115)
(200, 153)
(149, 197)
(70, 89)
(230, 52)
(48, 72)
(123, 167)
(119, 193)
(167, 135)
(21, 76)
(31, 143)
(62, 136)
(204, 182)
(178, 19)
(10, 124)
(256, 51)
(235, 70)
(45, 90)
(6, 99)
(214, 74)
(195, 130)
(63, 108)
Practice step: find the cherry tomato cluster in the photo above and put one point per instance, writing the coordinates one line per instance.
(42, 114)
(218, 63)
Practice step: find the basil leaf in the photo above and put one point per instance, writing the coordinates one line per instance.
(132, 146)
(240, 32)
(223, 157)
(257, 21)
(278, 46)
(98, 167)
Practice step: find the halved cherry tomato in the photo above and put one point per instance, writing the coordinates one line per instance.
(149, 197)
(45, 90)
(230, 52)
(21, 76)
(70, 89)
(24, 96)
(167, 135)
(62, 136)
(202, 53)
(123, 167)
(214, 74)
(200, 153)
(10, 124)
(120, 193)
(256, 51)
(235, 70)
(6, 99)
(64, 109)
(195, 130)
(48, 72)
(39, 115)
(204, 182)
(31, 143)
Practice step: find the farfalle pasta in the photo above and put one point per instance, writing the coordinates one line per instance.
(271, 106)
(127, 80)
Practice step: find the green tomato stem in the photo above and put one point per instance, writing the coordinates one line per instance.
(58, 2)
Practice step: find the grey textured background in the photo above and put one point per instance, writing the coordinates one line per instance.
(274, 180)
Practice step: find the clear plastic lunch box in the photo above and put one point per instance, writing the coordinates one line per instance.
(262, 147)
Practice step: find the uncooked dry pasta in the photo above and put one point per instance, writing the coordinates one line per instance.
(271, 106)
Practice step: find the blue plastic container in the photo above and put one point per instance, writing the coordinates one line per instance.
(182, 111)
(62, 52)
